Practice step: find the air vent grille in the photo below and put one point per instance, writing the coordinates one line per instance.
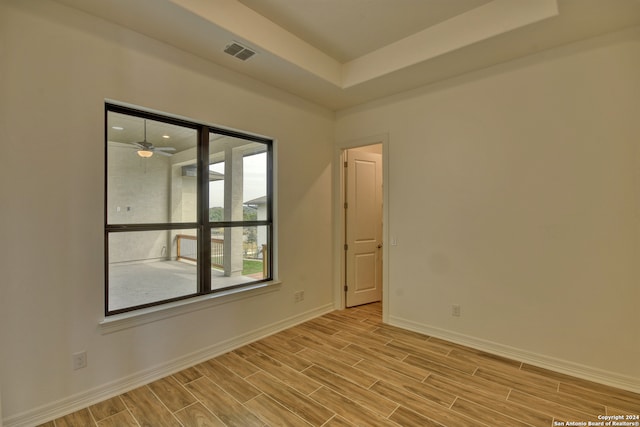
(239, 51)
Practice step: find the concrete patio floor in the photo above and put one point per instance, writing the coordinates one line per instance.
(142, 283)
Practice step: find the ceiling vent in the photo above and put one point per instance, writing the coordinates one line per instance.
(239, 51)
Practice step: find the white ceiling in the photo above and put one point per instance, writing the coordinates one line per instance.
(340, 53)
(348, 29)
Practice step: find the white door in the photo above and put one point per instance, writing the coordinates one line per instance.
(363, 249)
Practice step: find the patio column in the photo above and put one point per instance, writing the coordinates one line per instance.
(233, 250)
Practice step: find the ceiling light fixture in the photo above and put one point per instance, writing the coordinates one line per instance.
(117, 128)
(166, 136)
(145, 153)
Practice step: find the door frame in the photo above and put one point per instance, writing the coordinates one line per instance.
(340, 218)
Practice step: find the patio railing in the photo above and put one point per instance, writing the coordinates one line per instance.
(188, 249)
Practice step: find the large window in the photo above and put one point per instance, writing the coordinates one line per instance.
(188, 209)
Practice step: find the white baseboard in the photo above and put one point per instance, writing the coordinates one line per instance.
(553, 364)
(87, 398)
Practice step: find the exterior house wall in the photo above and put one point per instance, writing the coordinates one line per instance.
(138, 192)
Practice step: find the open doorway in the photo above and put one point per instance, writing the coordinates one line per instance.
(363, 225)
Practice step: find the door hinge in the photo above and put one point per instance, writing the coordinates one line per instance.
(346, 247)
(346, 288)
(345, 164)
(346, 205)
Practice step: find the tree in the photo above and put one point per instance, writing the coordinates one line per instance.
(216, 214)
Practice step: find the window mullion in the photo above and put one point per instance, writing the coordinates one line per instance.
(204, 235)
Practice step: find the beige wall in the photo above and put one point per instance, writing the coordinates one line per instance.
(57, 66)
(515, 192)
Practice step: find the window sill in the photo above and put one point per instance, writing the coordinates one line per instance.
(136, 318)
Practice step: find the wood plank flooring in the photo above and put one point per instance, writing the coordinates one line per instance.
(348, 369)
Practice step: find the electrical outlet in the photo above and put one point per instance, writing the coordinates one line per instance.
(455, 310)
(79, 360)
(298, 296)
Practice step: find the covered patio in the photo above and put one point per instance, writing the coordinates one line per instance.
(140, 283)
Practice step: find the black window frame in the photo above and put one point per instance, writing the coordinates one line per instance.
(202, 224)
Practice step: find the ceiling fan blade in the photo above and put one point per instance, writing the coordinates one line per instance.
(164, 148)
(123, 145)
(162, 153)
(142, 145)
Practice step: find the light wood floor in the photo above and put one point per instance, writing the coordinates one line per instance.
(348, 369)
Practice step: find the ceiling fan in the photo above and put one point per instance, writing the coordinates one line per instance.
(147, 149)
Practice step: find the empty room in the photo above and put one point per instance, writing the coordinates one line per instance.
(320, 212)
